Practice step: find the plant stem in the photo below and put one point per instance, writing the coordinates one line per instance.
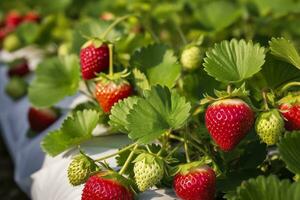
(114, 154)
(128, 160)
(165, 140)
(148, 149)
(174, 150)
(264, 95)
(186, 149)
(116, 22)
(88, 88)
(180, 32)
(229, 89)
(176, 138)
(288, 85)
(111, 64)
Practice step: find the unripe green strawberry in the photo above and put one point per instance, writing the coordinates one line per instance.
(80, 169)
(16, 88)
(269, 126)
(191, 57)
(11, 43)
(148, 171)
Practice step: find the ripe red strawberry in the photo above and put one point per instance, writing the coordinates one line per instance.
(291, 114)
(32, 17)
(13, 19)
(20, 68)
(228, 122)
(40, 119)
(110, 92)
(195, 184)
(99, 188)
(93, 60)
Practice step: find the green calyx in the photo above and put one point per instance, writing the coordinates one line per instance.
(80, 169)
(114, 176)
(148, 170)
(96, 42)
(117, 78)
(240, 92)
(189, 167)
(269, 126)
(291, 98)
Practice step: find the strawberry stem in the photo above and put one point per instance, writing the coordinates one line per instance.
(111, 64)
(128, 160)
(180, 32)
(111, 26)
(174, 150)
(288, 85)
(229, 89)
(187, 156)
(265, 99)
(118, 152)
(148, 149)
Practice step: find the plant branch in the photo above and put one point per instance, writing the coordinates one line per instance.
(288, 85)
(116, 22)
(111, 64)
(128, 160)
(116, 153)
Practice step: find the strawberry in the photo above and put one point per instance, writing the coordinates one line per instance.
(228, 122)
(94, 59)
(195, 182)
(11, 42)
(148, 171)
(269, 126)
(191, 57)
(80, 169)
(289, 107)
(19, 68)
(40, 119)
(32, 17)
(13, 19)
(16, 88)
(291, 114)
(109, 92)
(98, 187)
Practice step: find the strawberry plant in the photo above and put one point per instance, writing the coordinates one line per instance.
(208, 100)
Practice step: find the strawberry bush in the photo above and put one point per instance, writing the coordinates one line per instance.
(209, 99)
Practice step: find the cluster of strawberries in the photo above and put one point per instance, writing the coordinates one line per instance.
(13, 19)
(227, 120)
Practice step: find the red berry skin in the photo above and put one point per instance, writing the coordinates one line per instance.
(199, 184)
(109, 93)
(98, 188)
(93, 60)
(13, 19)
(21, 69)
(32, 17)
(228, 121)
(40, 119)
(291, 114)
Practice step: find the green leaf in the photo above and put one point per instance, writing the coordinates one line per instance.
(290, 151)
(141, 80)
(158, 63)
(55, 79)
(267, 188)
(119, 113)
(285, 50)
(218, 19)
(90, 28)
(157, 113)
(234, 61)
(276, 72)
(75, 129)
